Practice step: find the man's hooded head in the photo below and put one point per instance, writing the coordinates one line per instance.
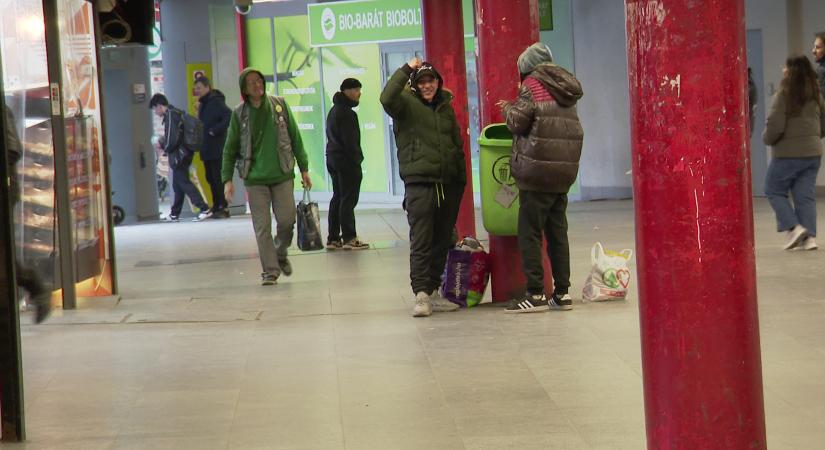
(535, 55)
(246, 86)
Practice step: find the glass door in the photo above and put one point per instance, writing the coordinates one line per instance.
(26, 109)
(393, 57)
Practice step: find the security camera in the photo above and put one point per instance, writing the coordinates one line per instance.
(243, 7)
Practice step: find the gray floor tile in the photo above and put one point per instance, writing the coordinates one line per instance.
(197, 354)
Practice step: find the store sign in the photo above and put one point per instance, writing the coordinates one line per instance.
(546, 15)
(364, 21)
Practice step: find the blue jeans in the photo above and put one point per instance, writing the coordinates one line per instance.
(796, 176)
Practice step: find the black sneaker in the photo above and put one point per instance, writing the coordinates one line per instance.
(561, 302)
(286, 267)
(205, 214)
(335, 245)
(221, 214)
(527, 304)
(268, 279)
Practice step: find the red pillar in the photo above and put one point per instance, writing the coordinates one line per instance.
(694, 225)
(444, 46)
(240, 27)
(504, 29)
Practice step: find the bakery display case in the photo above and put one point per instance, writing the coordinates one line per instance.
(83, 194)
(36, 225)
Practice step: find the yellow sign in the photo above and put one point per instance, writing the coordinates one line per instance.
(195, 71)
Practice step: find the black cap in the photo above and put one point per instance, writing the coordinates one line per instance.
(426, 69)
(350, 83)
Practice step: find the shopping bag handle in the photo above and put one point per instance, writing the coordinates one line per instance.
(594, 256)
(307, 197)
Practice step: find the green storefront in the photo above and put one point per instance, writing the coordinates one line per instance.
(306, 49)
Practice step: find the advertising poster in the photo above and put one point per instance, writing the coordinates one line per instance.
(298, 76)
(364, 63)
(259, 48)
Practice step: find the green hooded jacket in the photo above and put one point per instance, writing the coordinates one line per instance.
(430, 148)
(265, 147)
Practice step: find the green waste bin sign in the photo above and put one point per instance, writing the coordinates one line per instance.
(499, 194)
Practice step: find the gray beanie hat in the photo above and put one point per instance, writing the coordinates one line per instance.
(538, 53)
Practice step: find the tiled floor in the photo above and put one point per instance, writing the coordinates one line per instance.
(197, 355)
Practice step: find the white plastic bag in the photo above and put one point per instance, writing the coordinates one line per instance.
(609, 277)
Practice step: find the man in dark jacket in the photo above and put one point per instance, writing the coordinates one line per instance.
(26, 277)
(180, 158)
(431, 164)
(344, 157)
(819, 56)
(215, 115)
(547, 146)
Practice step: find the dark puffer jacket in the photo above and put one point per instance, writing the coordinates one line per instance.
(430, 149)
(547, 133)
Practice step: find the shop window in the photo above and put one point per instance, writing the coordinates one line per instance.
(26, 98)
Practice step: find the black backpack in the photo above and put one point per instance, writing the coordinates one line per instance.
(192, 132)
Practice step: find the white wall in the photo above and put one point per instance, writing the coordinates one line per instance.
(770, 16)
(813, 16)
(600, 49)
(560, 39)
(601, 65)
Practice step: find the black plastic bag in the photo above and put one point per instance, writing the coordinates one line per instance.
(309, 225)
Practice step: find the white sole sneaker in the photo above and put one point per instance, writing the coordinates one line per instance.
(809, 244)
(795, 237)
(441, 304)
(422, 310)
(422, 307)
(566, 306)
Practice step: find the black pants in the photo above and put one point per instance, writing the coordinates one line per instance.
(183, 186)
(432, 211)
(346, 188)
(546, 213)
(213, 177)
(25, 276)
(29, 279)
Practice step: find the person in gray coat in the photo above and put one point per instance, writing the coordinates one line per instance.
(794, 130)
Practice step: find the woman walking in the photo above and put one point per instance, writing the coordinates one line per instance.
(796, 126)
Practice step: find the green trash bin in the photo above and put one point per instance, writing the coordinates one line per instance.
(499, 194)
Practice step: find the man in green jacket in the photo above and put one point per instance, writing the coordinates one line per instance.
(431, 164)
(264, 143)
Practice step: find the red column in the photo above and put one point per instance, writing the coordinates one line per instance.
(240, 27)
(504, 29)
(444, 45)
(694, 225)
